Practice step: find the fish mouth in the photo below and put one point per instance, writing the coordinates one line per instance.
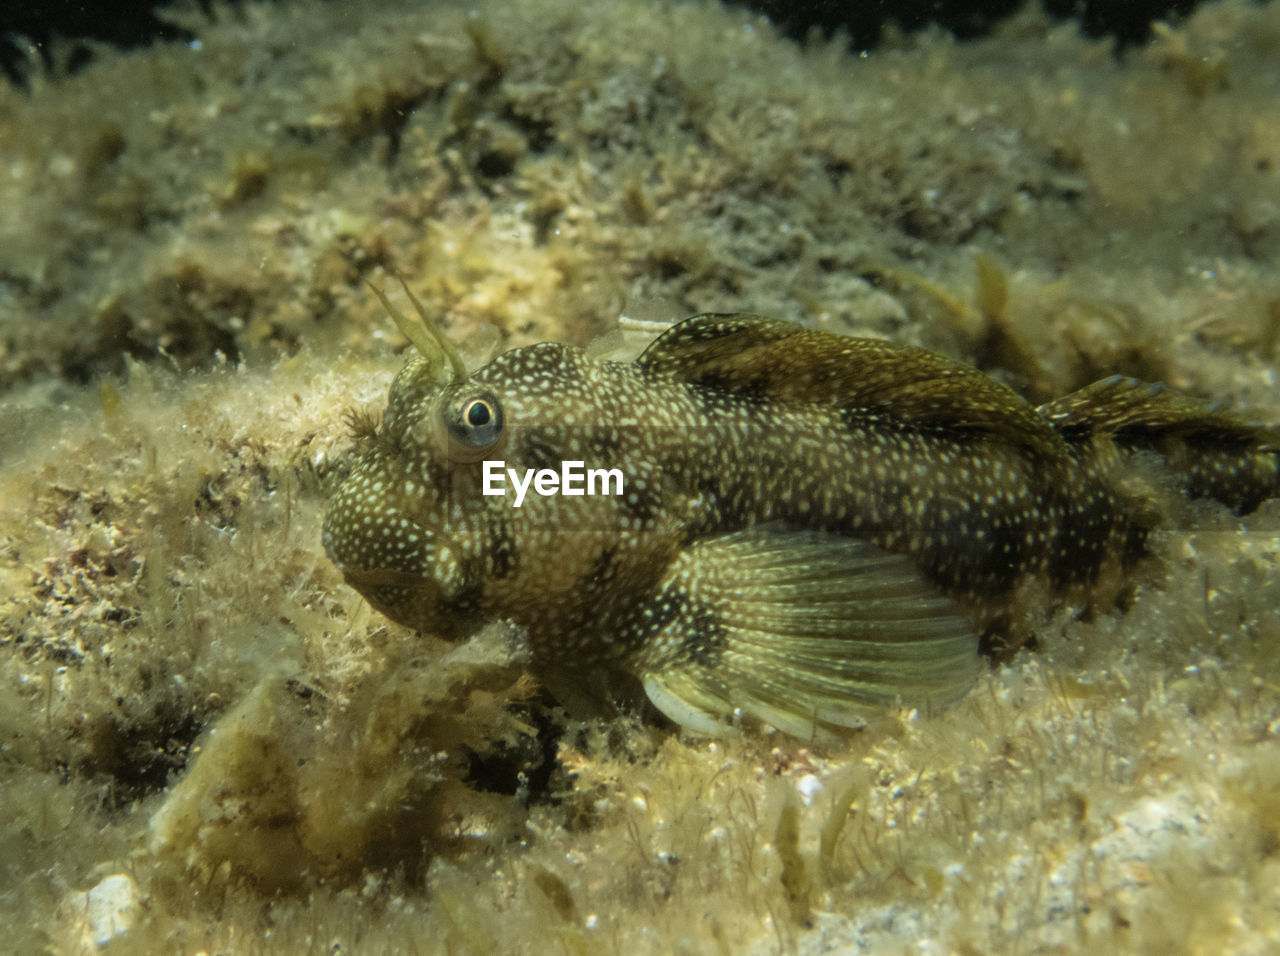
(362, 578)
(412, 599)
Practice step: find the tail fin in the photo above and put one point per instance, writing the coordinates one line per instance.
(1216, 454)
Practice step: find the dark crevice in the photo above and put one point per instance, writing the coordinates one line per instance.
(140, 755)
(523, 770)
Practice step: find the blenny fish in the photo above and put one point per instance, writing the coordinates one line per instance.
(808, 527)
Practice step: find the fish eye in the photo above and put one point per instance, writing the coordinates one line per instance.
(473, 422)
(478, 413)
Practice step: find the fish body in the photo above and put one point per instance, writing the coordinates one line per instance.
(808, 526)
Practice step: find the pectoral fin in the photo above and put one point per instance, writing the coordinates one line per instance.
(803, 630)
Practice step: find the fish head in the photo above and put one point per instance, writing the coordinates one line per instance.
(399, 527)
(428, 525)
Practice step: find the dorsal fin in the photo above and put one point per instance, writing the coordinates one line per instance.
(788, 363)
(1118, 404)
(1218, 455)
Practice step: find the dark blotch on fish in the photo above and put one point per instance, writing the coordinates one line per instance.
(811, 526)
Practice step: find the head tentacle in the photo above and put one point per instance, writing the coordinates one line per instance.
(427, 338)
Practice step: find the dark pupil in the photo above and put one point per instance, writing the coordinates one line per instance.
(478, 414)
